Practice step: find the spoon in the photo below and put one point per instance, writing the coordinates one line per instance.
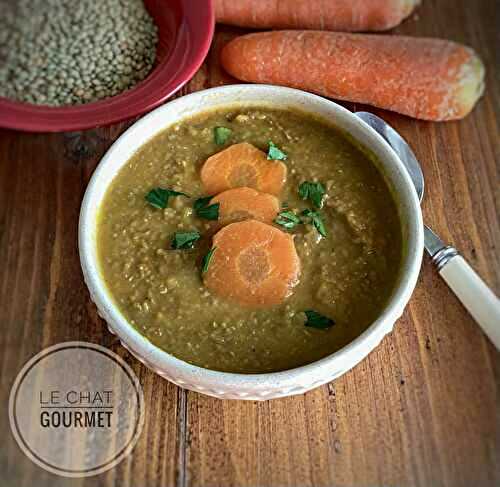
(470, 289)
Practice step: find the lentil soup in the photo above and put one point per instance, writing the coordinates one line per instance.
(311, 280)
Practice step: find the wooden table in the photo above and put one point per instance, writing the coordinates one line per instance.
(421, 410)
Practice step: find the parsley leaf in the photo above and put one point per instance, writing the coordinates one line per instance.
(316, 220)
(206, 260)
(203, 209)
(201, 202)
(184, 240)
(158, 197)
(222, 135)
(287, 219)
(313, 192)
(317, 320)
(210, 212)
(274, 154)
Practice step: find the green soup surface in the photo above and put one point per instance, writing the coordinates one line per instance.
(347, 276)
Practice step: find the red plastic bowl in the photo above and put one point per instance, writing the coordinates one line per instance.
(185, 32)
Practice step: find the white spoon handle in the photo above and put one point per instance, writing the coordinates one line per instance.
(475, 295)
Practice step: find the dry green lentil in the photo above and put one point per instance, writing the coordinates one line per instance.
(347, 276)
(66, 52)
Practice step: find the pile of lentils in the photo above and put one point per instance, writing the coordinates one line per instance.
(69, 52)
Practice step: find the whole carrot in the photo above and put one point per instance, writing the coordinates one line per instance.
(338, 15)
(431, 79)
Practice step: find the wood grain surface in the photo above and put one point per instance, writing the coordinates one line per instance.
(422, 410)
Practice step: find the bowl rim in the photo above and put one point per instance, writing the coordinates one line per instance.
(197, 28)
(157, 358)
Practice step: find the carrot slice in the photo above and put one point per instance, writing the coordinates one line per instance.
(254, 264)
(242, 165)
(240, 204)
(431, 79)
(337, 15)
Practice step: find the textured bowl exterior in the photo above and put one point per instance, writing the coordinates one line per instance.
(185, 30)
(251, 386)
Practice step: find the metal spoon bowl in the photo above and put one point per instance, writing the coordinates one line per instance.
(474, 294)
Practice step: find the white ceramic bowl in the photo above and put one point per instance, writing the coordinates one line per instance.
(251, 386)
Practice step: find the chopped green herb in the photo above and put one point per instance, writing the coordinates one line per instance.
(204, 210)
(274, 154)
(287, 219)
(222, 135)
(210, 212)
(184, 240)
(206, 260)
(316, 220)
(159, 197)
(313, 192)
(317, 320)
(201, 202)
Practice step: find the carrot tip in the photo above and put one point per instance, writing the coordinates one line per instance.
(471, 85)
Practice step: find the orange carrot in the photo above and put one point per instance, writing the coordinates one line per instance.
(253, 264)
(240, 204)
(339, 15)
(242, 165)
(431, 79)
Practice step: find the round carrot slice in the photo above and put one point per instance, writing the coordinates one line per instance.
(253, 264)
(242, 165)
(240, 204)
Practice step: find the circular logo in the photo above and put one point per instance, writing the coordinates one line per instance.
(76, 409)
